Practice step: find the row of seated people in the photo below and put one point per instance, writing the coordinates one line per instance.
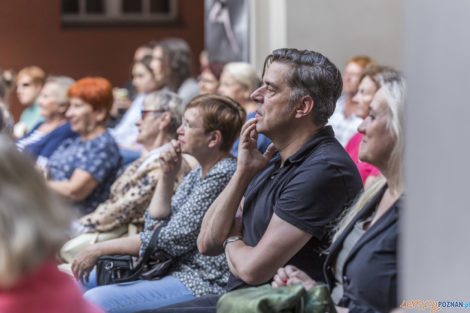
(291, 195)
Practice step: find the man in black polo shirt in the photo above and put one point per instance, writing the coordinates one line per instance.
(290, 200)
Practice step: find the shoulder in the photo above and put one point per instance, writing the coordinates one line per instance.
(226, 166)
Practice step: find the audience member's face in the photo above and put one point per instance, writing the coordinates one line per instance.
(142, 79)
(157, 65)
(229, 87)
(27, 91)
(141, 52)
(47, 100)
(83, 119)
(191, 134)
(363, 96)
(273, 111)
(351, 77)
(377, 140)
(208, 83)
(149, 125)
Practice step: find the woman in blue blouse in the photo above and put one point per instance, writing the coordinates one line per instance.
(45, 137)
(211, 124)
(82, 169)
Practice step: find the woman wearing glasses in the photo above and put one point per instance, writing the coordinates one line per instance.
(211, 124)
(132, 191)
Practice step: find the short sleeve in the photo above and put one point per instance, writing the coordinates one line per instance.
(99, 158)
(311, 209)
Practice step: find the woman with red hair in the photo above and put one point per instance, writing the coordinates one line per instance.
(83, 169)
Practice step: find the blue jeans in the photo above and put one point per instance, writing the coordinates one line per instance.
(137, 295)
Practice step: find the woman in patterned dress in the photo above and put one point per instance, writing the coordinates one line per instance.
(82, 169)
(211, 124)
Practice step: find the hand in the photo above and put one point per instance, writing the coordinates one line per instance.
(250, 158)
(291, 275)
(170, 159)
(84, 262)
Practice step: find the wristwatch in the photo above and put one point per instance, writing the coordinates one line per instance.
(231, 239)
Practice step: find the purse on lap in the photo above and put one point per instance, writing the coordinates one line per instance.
(154, 264)
(286, 299)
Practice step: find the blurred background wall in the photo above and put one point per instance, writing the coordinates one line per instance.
(31, 33)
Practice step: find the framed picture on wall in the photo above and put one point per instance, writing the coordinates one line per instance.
(226, 30)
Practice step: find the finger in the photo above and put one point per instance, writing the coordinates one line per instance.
(282, 274)
(245, 136)
(249, 124)
(176, 145)
(268, 154)
(290, 270)
(278, 280)
(293, 281)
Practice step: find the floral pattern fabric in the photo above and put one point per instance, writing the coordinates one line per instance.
(200, 274)
(98, 156)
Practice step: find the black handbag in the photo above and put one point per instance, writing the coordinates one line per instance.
(154, 264)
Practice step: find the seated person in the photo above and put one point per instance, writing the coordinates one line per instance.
(132, 191)
(29, 82)
(209, 79)
(369, 84)
(290, 200)
(210, 125)
(343, 120)
(82, 169)
(361, 267)
(43, 139)
(125, 132)
(238, 81)
(172, 67)
(33, 225)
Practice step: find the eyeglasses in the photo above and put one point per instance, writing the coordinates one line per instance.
(144, 113)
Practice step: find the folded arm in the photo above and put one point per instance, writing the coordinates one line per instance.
(80, 185)
(258, 264)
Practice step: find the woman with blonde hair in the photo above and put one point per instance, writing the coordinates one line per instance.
(33, 225)
(361, 267)
(238, 81)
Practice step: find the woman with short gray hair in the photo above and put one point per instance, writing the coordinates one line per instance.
(44, 139)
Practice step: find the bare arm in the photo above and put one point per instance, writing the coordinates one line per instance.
(219, 217)
(257, 265)
(86, 259)
(170, 163)
(80, 185)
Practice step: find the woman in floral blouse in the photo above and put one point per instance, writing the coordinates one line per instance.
(82, 169)
(210, 126)
(132, 191)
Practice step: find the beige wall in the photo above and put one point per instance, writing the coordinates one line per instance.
(435, 253)
(337, 28)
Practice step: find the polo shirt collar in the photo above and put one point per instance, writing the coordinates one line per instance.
(304, 151)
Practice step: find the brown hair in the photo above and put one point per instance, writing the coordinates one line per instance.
(220, 113)
(38, 76)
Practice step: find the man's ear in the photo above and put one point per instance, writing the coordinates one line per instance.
(215, 139)
(304, 107)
